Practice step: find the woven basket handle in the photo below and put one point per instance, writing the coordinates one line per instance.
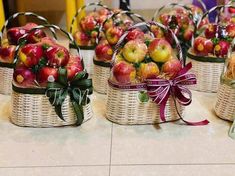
(16, 15)
(113, 16)
(148, 25)
(54, 27)
(95, 4)
(170, 5)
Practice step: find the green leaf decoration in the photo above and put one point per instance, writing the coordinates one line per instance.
(143, 97)
(63, 76)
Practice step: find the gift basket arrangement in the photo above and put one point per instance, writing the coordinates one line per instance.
(209, 51)
(88, 28)
(148, 80)
(225, 103)
(50, 85)
(8, 40)
(110, 32)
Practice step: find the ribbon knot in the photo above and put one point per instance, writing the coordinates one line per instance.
(161, 89)
(77, 89)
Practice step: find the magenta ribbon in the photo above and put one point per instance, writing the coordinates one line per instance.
(160, 90)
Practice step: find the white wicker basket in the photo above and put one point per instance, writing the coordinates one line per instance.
(123, 107)
(30, 110)
(207, 73)
(100, 78)
(225, 103)
(5, 80)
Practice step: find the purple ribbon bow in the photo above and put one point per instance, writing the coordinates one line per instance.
(160, 90)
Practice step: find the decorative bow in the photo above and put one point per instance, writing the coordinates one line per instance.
(78, 90)
(160, 90)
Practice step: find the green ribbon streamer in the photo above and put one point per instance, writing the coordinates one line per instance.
(78, 90)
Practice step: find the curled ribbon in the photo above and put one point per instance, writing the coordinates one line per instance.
(161, 89)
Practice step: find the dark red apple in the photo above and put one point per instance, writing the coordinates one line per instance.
(57, 56)
(103, 51)
(135, 34)
(124, 72)
(35, 36)
(73, 67)
(231, 10)
(221, 49)
(31, 54)
(203, 46)
(14, 34)
(171, 67)
(7, 53)
(47, 74)
(24, 77)
(211, 30)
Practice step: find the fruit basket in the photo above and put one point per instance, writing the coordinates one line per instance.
(209, 51)
(138, 92)
(110, 32)
(7, 47)
(86, 36)
(50, 86)
(225, 103)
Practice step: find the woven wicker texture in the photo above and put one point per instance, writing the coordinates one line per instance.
(6, 80)
(133, 112)
(208, 75)
(36, 111)
(100, 79)
(225, 103)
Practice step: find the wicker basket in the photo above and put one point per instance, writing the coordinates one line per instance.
(6, 69)
(36, 111)
(225, 104)
(6, 75)
(100, 78)
(207, 73)
(31, 107)
(123, 107)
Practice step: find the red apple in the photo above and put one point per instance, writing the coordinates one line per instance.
(7, 53)
(24, 77)
(108, 24)
(203, 46)
(211, 30)
(158, 33)
(14, 34)
(160, 50)
(81, 38)
(164, 19)
(135, 51)
(57, 56)
(171, 67)
(47, 41)
(135, 34)
(113, 34)
(47, 74)
(103, 12)
(88, 23)
(231, 30)
(148, 70)
(31, 54)
(103, 51)
(73, 67)
(35, 36)
(29, 26)
(124, 72)
(182, 21)
(188, 34)
(221, 49)
(231, 10)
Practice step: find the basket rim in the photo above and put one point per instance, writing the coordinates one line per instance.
(7, 65)
(204, 58)
(83, 47)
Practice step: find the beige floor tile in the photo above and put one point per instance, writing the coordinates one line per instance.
(176, 144)
(55, 171)
(227, 170)
(85, 145)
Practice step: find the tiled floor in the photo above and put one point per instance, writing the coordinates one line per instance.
(100, 148)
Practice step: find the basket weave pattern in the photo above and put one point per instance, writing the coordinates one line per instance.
(6, 80)
(88, 56)
(36, 111)
(100, 79)
(208, 75)
(124, 108)
(225, 104)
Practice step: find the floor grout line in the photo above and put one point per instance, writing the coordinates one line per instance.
(111, 146)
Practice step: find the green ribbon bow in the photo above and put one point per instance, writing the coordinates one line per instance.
(78, 90)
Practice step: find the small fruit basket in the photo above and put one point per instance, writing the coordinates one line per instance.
(225, 103)
(50, 86)
(110, 32)
(88, 28)
(209, 51)
(148, 82)
(7, 47)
